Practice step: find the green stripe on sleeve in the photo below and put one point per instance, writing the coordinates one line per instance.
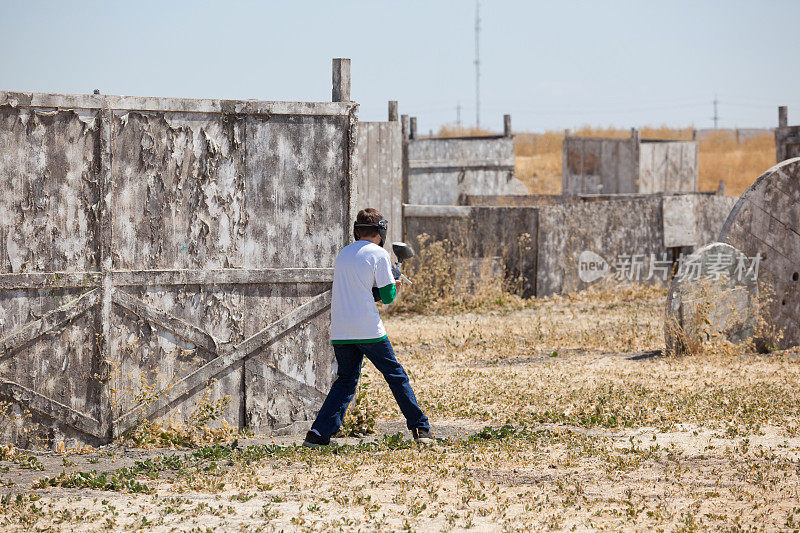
(388, 293)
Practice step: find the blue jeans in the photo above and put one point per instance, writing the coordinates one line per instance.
(349, 358)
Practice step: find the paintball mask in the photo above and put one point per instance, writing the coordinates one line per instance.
(381, 226)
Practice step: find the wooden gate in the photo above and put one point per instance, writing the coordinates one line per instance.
(158, 252)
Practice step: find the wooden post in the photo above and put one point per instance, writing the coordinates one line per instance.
(404, 126)
(412, 131)
(783, 116)
(694, 134)
(392, 110)
(506, 125)
(721, 188)
(341, 80)
(636, 171)
(566, 133)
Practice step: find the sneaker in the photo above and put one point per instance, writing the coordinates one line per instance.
(315, 441)
(422, 436)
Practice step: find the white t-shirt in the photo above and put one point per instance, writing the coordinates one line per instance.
(359, 267)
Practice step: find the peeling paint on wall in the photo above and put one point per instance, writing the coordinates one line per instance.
(221, 221)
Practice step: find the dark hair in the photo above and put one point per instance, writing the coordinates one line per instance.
(368, 216)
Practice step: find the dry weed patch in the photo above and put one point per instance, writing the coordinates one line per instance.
(588, 427)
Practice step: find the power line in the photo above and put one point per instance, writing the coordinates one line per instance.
(477, 64)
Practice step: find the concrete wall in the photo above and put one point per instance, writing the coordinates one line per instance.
(441, 170)
(630, 165)
(155, 250)
(380, 175)
(547, 260)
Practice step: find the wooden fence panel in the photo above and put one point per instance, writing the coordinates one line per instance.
(160, 252)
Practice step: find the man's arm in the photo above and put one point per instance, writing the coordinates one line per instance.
(384, 279)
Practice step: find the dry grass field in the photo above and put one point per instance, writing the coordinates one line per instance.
(588, 427)
(557, 413)
(722, 156)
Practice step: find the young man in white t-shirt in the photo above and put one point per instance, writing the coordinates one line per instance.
(357, 331)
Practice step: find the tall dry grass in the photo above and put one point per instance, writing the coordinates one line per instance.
(723, 155)
(738, 162)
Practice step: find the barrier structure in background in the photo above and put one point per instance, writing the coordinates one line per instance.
(541, 244)
(440, 170)
(596, 165)
(787, 138)
(156, 251)
(765, 223)
(380, 170)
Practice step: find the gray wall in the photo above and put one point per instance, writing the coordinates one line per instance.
(668, 166)
(548, 260)
(154, 250)
(508, 233)
(601, 166)
(609, 229)
(380, 175)
(440, 170)
(612, 166)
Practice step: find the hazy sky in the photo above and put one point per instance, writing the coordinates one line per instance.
(552, 65)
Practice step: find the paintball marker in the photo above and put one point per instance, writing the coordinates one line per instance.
(402, 251)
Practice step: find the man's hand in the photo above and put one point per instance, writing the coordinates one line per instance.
(398, 283)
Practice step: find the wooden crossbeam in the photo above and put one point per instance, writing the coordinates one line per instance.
(49, 280)
(221, 362)
(293, 384)
(165, 277)
(51, 408)
(432, 164)
(182, 329)
(49, 321)
(221, 276)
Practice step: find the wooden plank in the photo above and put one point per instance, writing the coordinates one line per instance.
(500, 164)
(49, 280)
(220, 363)
(186, 331)
(106, 182)
(57, 411)
(49, 321)
(221, 276)
(429, 211)
(179, 105)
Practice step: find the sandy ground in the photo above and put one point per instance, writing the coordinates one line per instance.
(603, 432)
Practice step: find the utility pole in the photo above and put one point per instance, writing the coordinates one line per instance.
(477, 64)
(716, 114)
(458, 115)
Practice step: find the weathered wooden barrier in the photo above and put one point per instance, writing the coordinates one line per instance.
(380, 170)
(440, 170)
(765, 223)
(543, 243)
(787, 138)
(154, 251)
(632, 165)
